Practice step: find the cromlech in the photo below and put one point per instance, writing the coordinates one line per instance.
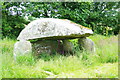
(48, 35)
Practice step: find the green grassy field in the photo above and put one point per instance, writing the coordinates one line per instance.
(102, 64)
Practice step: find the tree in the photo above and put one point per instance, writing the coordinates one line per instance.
(12, 19)
(101, 17)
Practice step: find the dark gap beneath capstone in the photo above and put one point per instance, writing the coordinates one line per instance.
(59, 37)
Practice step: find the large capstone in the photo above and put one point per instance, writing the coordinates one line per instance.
(50, 28)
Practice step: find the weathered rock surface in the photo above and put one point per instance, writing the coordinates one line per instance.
(68, 46)
(22, 47)
(50, 28)
(49, 35)
(86, 44)
(45, 46)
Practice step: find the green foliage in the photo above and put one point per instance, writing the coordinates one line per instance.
(102, 64)
(101, 17)
(28, 59)
(12, 20)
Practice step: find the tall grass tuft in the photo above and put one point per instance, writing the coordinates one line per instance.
(102, 64)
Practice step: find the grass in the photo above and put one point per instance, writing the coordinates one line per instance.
(102, 64)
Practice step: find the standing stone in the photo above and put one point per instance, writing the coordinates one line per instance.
(68, 46)
(86, 44)
(45, 46)
(22, 48)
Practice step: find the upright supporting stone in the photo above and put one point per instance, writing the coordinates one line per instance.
(86, 44)
(44, 46)
(22, 47)
(68, 46)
